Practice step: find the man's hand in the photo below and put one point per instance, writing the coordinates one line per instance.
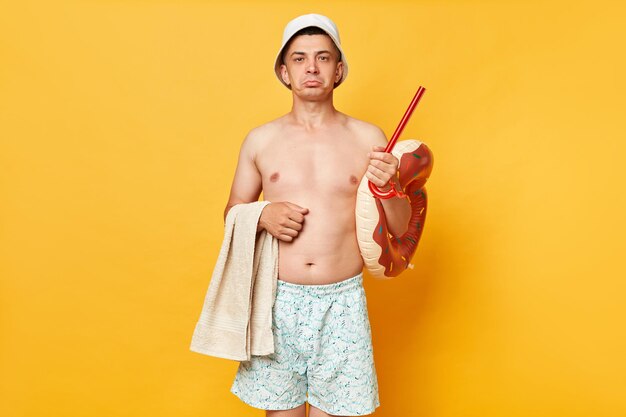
(383, 166)
(283, 220)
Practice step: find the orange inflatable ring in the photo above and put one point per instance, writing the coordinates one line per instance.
(386, 256)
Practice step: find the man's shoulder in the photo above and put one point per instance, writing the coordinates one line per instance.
(260, 137)
(266, 129)
(367, 130)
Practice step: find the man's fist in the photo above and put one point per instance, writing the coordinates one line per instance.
(283, 220)
(383, 167)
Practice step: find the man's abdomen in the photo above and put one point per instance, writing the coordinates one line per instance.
(325, 250)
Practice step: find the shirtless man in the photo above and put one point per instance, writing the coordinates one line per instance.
(309, 163)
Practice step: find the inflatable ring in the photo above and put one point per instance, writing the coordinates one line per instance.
(384, 255)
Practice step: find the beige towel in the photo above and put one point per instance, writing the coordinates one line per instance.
(236, 318)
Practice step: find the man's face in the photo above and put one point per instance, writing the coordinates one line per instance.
(312, 65)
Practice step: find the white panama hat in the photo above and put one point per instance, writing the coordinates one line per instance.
(306, 20)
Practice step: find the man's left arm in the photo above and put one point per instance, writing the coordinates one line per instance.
(383, 166)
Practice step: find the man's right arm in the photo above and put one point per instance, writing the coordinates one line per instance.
(247, 184)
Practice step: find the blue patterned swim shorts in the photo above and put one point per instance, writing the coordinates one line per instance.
(322, 350)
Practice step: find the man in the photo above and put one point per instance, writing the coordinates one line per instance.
(309, 164)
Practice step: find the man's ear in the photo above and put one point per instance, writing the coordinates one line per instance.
(284, 74)
(339, 71)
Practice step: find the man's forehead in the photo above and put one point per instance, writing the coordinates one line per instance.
(321, 51)
(316, 44)
(312, 41)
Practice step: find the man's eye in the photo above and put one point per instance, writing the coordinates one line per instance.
(324, 58)
(297, 59)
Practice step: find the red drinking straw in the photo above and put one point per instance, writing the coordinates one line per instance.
(392, 192)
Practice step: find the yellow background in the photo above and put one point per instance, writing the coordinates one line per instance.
(120, 123)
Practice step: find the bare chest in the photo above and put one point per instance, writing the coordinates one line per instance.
(328, 166)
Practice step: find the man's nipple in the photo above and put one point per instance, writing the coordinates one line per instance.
(274, 177)
(353, 179)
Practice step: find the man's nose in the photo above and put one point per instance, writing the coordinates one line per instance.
(312, 66)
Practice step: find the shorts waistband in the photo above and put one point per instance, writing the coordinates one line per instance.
(333, 288)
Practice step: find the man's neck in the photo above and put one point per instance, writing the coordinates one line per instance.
(312, 115)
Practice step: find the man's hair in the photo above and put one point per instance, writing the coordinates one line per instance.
(309, 30)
